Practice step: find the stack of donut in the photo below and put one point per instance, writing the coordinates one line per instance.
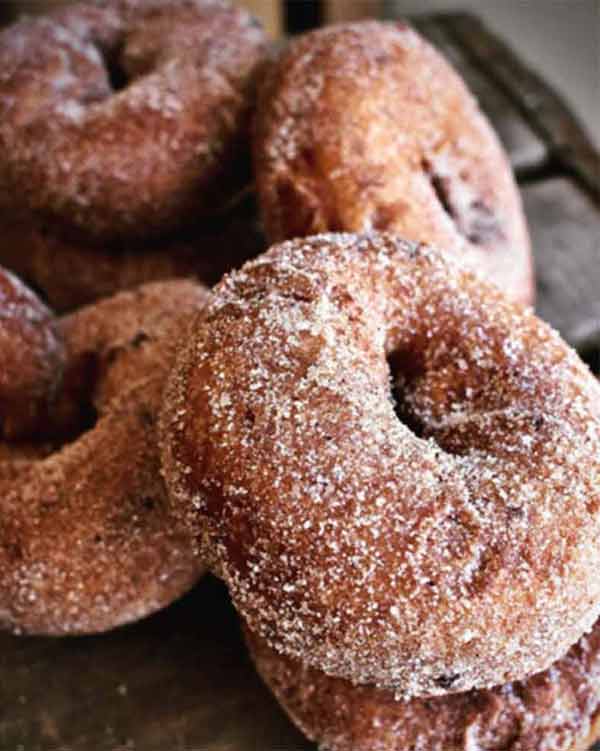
(390, 461)
(393, 468)
(396, 472)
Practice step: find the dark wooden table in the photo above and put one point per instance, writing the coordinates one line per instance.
(181, 680)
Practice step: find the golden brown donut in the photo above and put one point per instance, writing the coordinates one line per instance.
(365, 127)
(125, 117)
(87, 541)
(69, 273)
(444, 542)
(558, 710)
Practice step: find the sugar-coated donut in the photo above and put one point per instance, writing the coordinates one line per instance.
(125, 117)
(557, 710)
(87, 541)
(444, 542)
(32, 358)
(71, 273)
(366, 127)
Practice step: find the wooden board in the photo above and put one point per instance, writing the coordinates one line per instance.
(565, 230)
(178, 681)
(181, 680)
(568, 145)
(341, 11)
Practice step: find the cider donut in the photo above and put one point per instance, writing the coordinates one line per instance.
(32, 356)
(365, 127)
(558, 710)
(87, 541)
(70, 273)
(442, 543)
(126, 117)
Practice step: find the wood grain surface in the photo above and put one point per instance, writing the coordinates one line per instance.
(178, 681)
(181, 680)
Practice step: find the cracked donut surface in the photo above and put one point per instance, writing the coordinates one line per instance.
(394, 469)
(366, 127)
(87, 541)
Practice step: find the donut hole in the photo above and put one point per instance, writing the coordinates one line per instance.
(149, 504)
(88, 418)
(472, 217)
(446, 682)
(410, 379)
(405, 367)
(117, 76)
(82, 421)
(75, 412)
(441, 188)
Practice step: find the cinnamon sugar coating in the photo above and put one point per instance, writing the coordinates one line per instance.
(87, 541)
(125, 117)
(32, 358)
(365, 127)
(557, 710)
(394, 469)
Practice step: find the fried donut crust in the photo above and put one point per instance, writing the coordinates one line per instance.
(126, 117)
(364, 127)
(87, 541)
(558, 710)
(394, 469)
(32, 358)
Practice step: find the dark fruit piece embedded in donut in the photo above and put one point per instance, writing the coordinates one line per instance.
(451, 548)
(366, 127)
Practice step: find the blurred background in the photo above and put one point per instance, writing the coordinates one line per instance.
(558, 38)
